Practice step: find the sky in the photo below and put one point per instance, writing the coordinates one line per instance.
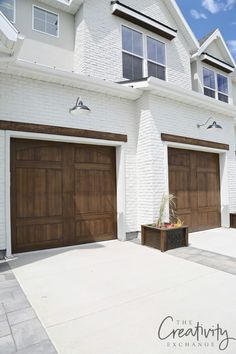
(205, 15)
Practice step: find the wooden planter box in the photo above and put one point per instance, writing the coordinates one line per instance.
(164, 239)
(233, 220)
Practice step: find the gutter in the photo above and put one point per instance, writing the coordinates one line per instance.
(127, 90)
(166, 90)
(62, 77)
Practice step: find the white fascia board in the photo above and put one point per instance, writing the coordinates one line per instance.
(226, 48)
(182, 23)
(41, 72)
(164, 89)
(208, 42)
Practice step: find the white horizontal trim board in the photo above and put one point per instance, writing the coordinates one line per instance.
(48, 74)
(165, 89)
(129, 90)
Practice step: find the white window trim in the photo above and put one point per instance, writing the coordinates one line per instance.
(155, 62)
(14, 12)
(216, 90)
(145, 56)
(130, 53)
(52, 12)
(223, 93)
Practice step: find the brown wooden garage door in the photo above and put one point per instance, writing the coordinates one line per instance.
(194, 180)
(61, 194)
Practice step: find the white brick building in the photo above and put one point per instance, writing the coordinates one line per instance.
(148, 80)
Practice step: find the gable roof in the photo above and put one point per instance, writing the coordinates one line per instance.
(215, 35)
(183, 25)
(205, 38)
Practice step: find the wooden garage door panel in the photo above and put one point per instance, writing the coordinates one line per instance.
(194, 180)
(36, 153)
(88, 154)
(94, 193)
(38, 192)
(62, 194)
(179, 180)
(31, 235)
(95, 229)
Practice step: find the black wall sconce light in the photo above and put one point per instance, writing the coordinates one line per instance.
(79, 108)
(214, 125)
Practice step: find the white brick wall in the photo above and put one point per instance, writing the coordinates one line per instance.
(168, 116)
(45, 103)
(143, 121)
(98, 50)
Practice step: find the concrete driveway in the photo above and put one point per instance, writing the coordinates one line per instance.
(221, 241)
(110, 298)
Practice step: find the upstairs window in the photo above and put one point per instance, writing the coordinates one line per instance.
(215, 85)
(45, 21)
(132, 54)
(142, 55)
(156, 60)
(209, 83)
(223, 91)
(8, 9)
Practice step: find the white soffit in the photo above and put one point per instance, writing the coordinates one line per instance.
(70, 6)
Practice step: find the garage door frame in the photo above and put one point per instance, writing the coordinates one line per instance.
(120, 176)
(223, 162)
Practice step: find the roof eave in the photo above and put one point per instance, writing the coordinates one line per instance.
(164, 89)
(188, 33)
(215, 35)
(49, 74)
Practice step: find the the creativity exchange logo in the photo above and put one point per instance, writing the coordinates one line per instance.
(189, 334)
